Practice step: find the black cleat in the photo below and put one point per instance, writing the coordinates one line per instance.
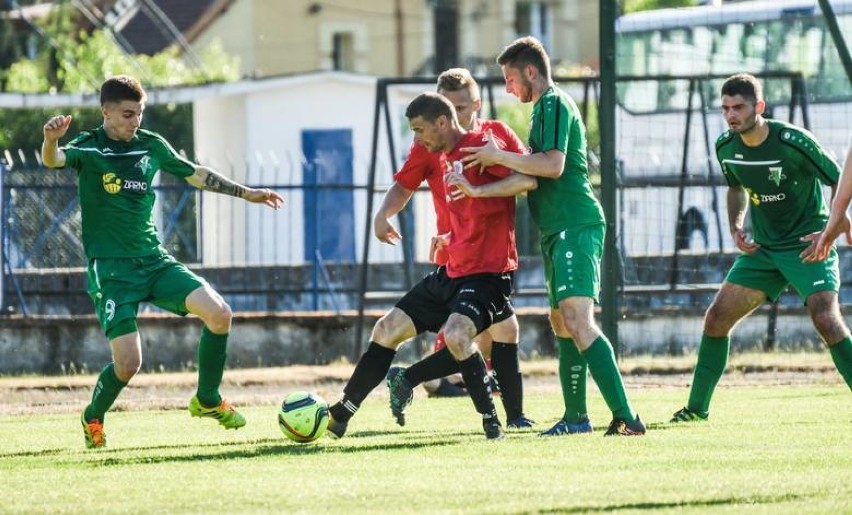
(401, 393)
(687, 415)
(621, 427)
(493, 429)
(336, 429)
(520, 422)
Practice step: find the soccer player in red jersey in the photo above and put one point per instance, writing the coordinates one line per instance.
(465, 296)
(500, 342)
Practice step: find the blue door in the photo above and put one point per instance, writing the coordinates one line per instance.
(328, 207)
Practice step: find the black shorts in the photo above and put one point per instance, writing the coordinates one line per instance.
(484, 298)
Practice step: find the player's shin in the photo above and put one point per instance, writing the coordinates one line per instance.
(841, 353)
(368, 373)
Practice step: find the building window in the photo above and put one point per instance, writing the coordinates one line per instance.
(533, 18)
(343, 51)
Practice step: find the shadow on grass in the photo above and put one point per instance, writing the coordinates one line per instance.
(750, 501)
(259, 448)
(33, 454)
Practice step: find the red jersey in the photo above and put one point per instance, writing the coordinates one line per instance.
(482, 236)
(422, 165)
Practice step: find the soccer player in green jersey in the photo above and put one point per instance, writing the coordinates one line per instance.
(778, 169)
(572, 228)
(127, 264)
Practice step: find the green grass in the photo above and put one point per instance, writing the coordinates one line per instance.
(780, 449)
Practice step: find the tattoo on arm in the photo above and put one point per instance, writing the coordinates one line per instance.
(219, 184)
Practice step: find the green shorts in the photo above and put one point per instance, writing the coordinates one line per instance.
(770, 271)
(572, 263)
(118, 285)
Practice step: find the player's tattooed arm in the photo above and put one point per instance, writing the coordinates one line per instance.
(210, 180)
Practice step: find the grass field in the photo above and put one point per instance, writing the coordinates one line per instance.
(768, 449)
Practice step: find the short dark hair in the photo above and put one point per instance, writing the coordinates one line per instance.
(458, 79)
(122, 87)
(524, 51)
(744, 85)
(430, 106)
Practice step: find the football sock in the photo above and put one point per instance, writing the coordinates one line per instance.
(573, 374)
(604, 370)
(504, 359)
(841, 353)
(434, 366)
(106, 391)
(368, 373)
(712, 358)
(212, 352)
(478, 386)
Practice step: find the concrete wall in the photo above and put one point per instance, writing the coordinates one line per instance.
(50, 345)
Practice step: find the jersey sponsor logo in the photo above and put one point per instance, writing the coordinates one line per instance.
(738, 156)
(134, 185)
(776, 175)
(820, 282)
(467, 290)
(758, 199)
(112, 183)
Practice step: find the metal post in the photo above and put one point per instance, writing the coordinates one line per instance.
(837, 37)
(684, 172)
(606, 114)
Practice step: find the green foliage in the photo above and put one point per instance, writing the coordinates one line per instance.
(778, 449)
(517, 116)
(632, 6)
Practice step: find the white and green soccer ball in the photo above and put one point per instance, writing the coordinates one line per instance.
(303, 417)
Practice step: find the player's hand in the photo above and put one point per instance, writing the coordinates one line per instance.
(385, 231)
(462, 185)
(823, 241)
(483, 156)
(743, 243)
(264, 196)
(56, 127)
(439, 242)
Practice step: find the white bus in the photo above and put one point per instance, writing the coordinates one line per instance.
(754, 37)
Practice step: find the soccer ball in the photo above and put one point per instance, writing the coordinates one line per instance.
(303, 417)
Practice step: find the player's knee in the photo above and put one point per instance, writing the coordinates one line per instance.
(126, 367)
(391, 330)
(715, 323)
(219, 320)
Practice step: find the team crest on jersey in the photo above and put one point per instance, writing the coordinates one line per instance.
(112, 183)
(776, 175)
(144, 165)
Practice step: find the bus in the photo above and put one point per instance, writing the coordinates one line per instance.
(660, 146)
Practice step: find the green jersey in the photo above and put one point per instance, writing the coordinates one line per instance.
(116, 197)
(569, 199)
(783, 178)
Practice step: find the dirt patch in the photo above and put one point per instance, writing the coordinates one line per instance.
(267, 386)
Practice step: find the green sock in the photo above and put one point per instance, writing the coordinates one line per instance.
(573, 372)
(712, 358)
(212, 351)
(106, 391)
(605, 372)
(841, 353)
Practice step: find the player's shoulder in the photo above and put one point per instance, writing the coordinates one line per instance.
(724, 139)
(146, 136)
(85, 138)
(801, 139)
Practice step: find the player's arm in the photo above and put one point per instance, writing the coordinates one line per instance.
(511, 185)
(395, 200)
(547, 164)
(838, 220)
(737, 208)
(208, 179)
(56, 127)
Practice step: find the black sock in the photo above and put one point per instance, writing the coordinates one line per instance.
(434, 366)
(368, 373)
(504, 359)
(478, 387)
